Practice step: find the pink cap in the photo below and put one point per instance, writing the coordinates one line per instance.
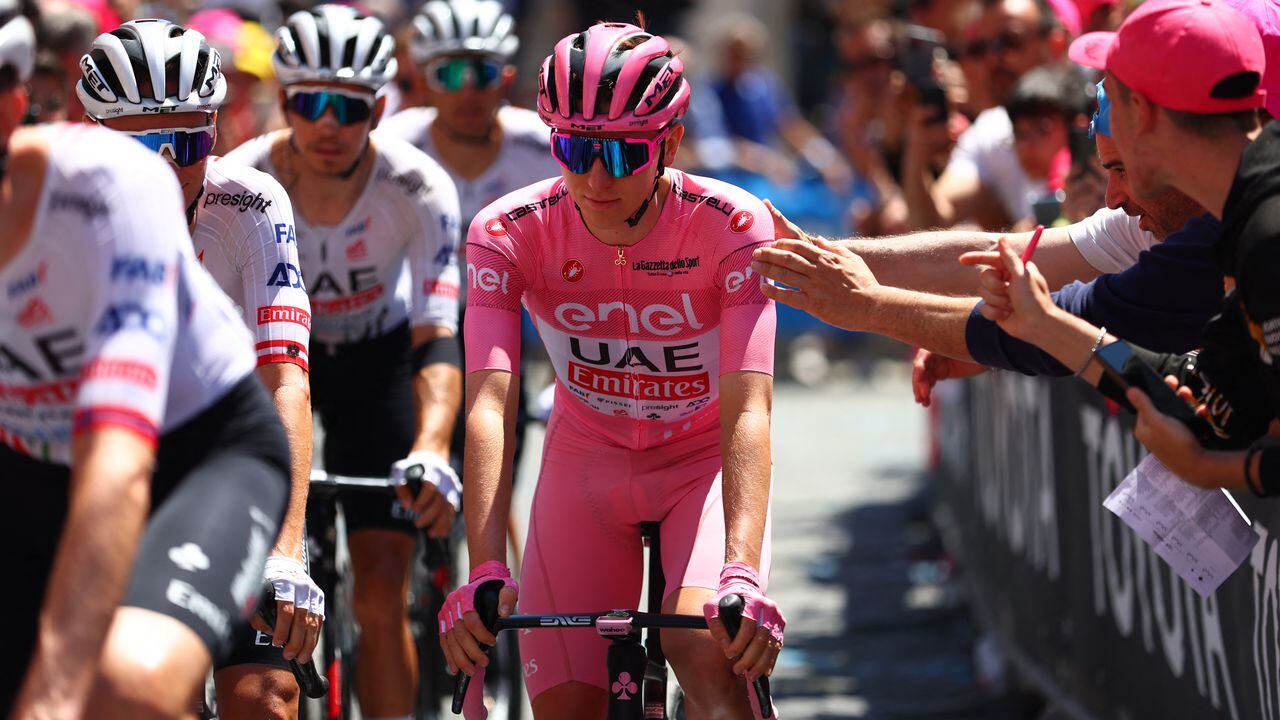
(1176, 51)
(1068, 14)
(1266, 15)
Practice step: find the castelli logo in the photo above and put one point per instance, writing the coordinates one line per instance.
(496, 227)
(741, 221)
(572, 271)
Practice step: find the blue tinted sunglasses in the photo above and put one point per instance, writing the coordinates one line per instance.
(348, 108)
(185, 146)
(622, 157)
(455, 73)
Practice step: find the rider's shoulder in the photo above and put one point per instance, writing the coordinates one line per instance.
(407, 124)
(403, 171)
(720, 210)
(524, 128)
(256, 151)
(244, 190)
(522, 212)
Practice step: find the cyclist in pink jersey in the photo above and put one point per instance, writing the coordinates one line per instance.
(638, 278)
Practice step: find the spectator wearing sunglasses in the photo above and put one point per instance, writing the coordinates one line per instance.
(242, 228)
(983, 180)
(377, 236)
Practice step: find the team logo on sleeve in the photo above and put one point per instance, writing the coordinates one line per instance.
(741, 221)
(495, 227)
(572, 271)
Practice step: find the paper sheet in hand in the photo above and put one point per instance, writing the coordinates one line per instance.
(1202, 534)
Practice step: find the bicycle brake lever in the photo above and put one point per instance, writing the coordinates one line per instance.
(310, 681)
(413, 479)
(731, 607)
(486, 600)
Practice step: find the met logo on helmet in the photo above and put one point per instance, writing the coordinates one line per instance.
(660, 85)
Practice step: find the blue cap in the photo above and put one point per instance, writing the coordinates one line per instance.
(1101, 123)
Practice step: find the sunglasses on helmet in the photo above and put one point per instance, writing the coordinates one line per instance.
(455, 73)
(185, 146)
(622, 157)
(348, 107)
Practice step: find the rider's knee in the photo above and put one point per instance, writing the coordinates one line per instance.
(696, 657)
(570, 700)
(130, 685)
(254, 692)
(379, 601)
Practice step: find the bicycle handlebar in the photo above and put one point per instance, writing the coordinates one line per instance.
(486, 600)
(731, 607)
(310, 681)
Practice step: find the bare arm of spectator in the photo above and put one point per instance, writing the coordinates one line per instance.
(926, 261)
(828, 281)
(817, 151)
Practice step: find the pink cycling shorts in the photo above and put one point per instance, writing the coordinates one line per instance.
(584, 551)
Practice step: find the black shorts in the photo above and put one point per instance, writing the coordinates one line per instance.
(217, 499)
(363, 393)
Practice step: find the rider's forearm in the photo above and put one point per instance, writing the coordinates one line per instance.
(109, 496)
(290, 391)
(748, 467)
(437, 391)
(490, 451)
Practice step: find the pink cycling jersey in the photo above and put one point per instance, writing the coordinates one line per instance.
(639, 336)
(639, 341)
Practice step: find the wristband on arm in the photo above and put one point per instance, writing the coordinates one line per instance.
(438, 350)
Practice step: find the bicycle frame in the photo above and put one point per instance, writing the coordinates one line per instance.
(631, 664)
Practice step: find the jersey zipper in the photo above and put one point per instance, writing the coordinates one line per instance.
(620, 262)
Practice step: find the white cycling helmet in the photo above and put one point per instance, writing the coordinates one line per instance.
(17, 40)
(145, 67)
(444, 27)
(334, 43)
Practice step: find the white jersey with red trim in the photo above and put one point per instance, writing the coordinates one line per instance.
(392, 258)
(639, 336)
(106, 319)
(524, 158)
(245, 237)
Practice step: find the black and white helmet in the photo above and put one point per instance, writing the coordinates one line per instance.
(444, 27)
(17, 40)
(146, 67)
(334, 43)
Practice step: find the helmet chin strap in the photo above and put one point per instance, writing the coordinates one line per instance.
(191, 209)
(662, 168)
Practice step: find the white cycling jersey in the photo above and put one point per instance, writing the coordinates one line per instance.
(106, 319)
(525, 157)
(355, 272)
(244, 236)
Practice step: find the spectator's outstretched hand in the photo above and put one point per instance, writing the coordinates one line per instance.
(783, 228)
(824, 279)
(1016, 295)
(928, 368)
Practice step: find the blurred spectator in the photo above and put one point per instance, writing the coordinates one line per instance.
(47, 90)
(983, 180)
(252, 105)
(946, 16)
(706, 147)
(760, 116)
(1100, 15)
(1043, 107)
(66, 30)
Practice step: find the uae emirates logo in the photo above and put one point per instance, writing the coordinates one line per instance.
(496, 227)
(741, 221)
(572, 271)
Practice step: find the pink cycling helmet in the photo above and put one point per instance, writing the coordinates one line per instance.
(612, 77)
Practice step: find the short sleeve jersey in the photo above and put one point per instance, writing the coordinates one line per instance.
(639, 337)
(244, 236)
(106, 319)
(986, 149)
(1110, 240)
(392, 258)
(524, 158)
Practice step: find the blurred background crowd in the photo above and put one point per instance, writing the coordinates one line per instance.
(854, 116)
